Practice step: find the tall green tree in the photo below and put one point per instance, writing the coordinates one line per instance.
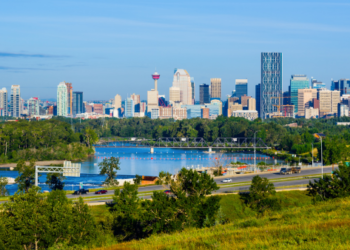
(55, 181)
(26, 175)
(3, 183)
(109, 167)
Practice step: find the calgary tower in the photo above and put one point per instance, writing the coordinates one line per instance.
(155, 77)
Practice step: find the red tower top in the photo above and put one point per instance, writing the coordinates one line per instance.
(155, 76)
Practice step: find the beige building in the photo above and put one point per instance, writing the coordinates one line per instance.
(135, 98)
(215, 88)
(305, 97)
(182, 80)
(117, 102)
(311, 113)
(251, 104)
(179, 113)
(233, 107)
(244, 100)
(165, 112)
(174, 95)
(152, 100)
(328, 101)
(219, 103)
(247, 114)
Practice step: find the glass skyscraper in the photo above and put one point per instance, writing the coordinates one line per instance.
(271, 82)
(78, 103)
(257, 97)
(204, 93)
(129, 108)
(297, 82)
(192, 86)
(241, 87)
(344, 85)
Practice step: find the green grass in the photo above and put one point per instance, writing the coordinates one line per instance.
(300, 225)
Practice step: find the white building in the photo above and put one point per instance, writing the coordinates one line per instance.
(247, 114)
(182, 80)
(33, 106)
(15, 101)
(62, 100)
(4, 101)
(129, 108)
(311, 113)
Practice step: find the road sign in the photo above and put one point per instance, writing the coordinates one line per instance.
(81, 186)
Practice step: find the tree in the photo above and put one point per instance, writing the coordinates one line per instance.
(3, 183)
(90, 137)
(26, 175)
(164, 179)
(55, 181)
(109, 167)
(138, 179)
(260, 196)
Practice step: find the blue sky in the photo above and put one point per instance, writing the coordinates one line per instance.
(109, 47)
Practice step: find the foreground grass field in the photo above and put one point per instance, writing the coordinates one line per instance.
(300, 225)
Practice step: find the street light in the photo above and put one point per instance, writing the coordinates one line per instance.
(255, 150)
(312, 155)
(321, 157)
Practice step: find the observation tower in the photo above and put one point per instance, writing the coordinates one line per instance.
(155, 77)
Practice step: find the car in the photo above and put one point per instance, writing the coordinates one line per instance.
(227, 180)
(167, 192)
(101, 192)
(81, 191)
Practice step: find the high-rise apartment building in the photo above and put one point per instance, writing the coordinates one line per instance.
(4, 101)
(129, 108)
(257, 97)
(15, 107)
(215, 88)
(251, 104)
(78, 106)
(174, 95)
(165, 112)
(69, 98)
(204, 97)
(62, 99)
(182, 80)
(33, 106)
(271, 82)
(297, 82)
(193, 88)
(241, 87)
(305, 99)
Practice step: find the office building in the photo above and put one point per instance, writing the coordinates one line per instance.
(205, 113)
(98, 109)
(344, 85)
(297, 82)
(335, 85)
(241, 87)
(129, 108)
(305, 97)
(143, 107)
(343, 110)
(137, 101)
(89, 108)
(316, 103)
(317, 85)
(218, 103)
(69, 98)
(251, 104)
(244, 100)
(4, 101)
(182, 80)
(215, 88)
(33, 106)
(257, 97)
(328, 101)
(174, 95)
(117, 102)
(193, 88)
(152, 100)
(162, 102)
(78, 106)
(62, 99)
(154, 113)
(179, 113)
(194, 111)
(15, 108)
(247, 114)
(204, 94)
(311, 113)
(165, 112)
(271, 82)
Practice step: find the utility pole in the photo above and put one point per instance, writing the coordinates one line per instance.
(255, 151)
(321, 157)
(312, 155)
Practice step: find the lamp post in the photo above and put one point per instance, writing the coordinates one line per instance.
(321, 157)
(312, 155)
(255, 150)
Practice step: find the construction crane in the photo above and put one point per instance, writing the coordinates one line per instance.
(279, 105)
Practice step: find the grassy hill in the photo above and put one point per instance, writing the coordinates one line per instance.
(300, 225)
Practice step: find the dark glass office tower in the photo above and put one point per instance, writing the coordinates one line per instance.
(257, 97)
(204, 93)
(78, 106)
(271, 82)
(241, 88)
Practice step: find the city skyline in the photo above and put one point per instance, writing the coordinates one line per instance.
(112, 45)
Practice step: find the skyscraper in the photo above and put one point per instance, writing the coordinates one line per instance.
(215, 85)
(174, 95)
(15, 101)
(271, 82)
(62, 99)
(117, 102)
(317, 85)
(137, 101)
(193, 87)
(69, 98)
(257, 97)
(78, 106)
(241, 87)
(344, 85)
(3, 101)
(204, 94)
(297, 82)
(182, 80)
(129, 108)
(33, 106)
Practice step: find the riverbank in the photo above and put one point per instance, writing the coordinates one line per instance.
(38, 163)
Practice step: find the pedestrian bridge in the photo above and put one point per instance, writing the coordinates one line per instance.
(184, 142)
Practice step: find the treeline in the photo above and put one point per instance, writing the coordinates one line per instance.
(44, 140)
